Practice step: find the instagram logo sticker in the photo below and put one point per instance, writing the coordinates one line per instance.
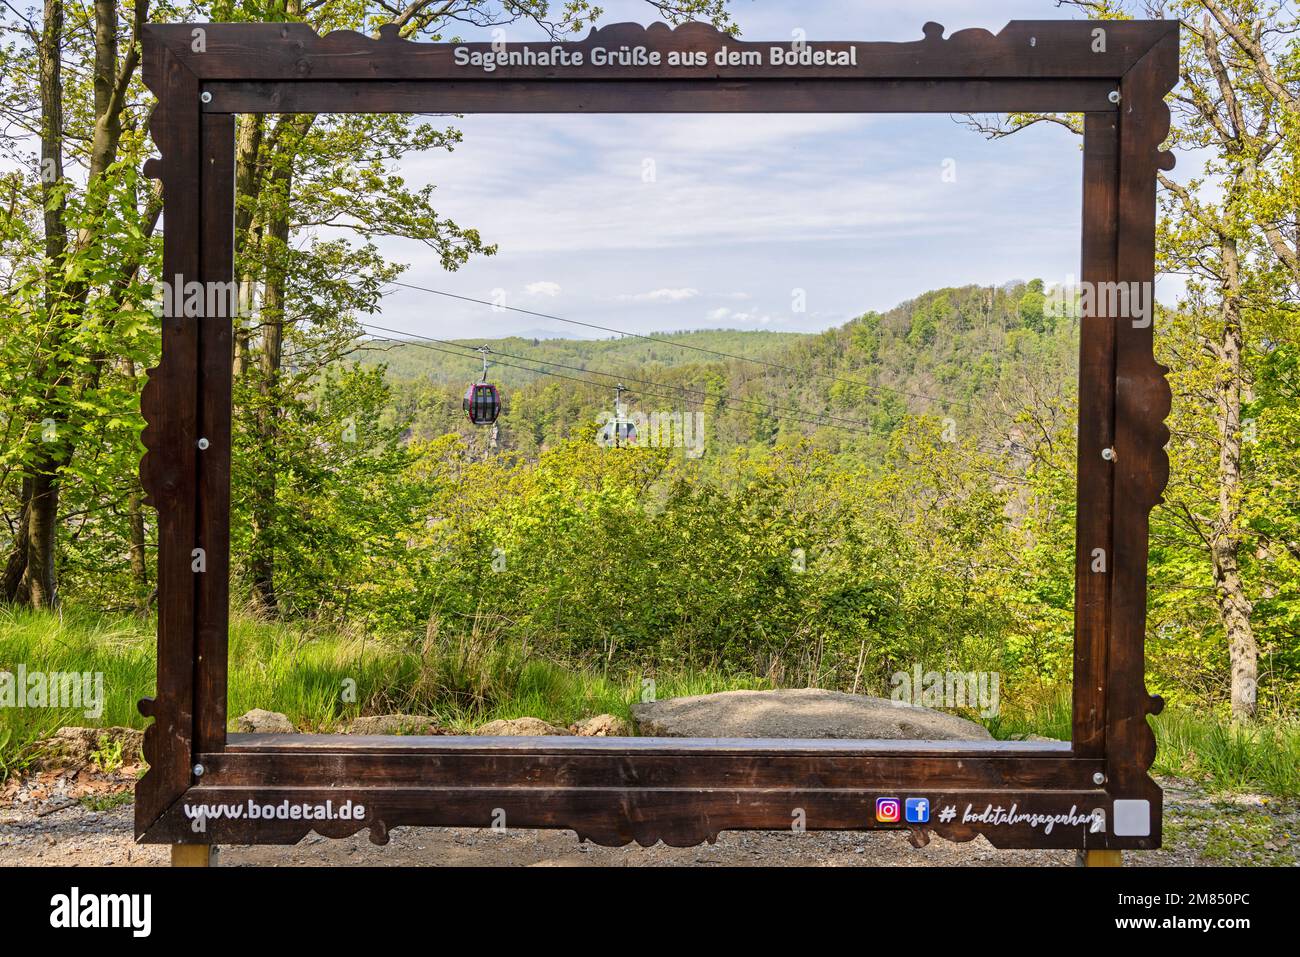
(888, 810)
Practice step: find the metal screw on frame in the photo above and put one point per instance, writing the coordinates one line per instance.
(198, 770)
(203, 444)
(1098, 778)
(1108, 454)
(1113, 96)
(205, 97)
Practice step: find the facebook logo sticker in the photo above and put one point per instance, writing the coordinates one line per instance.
(918, 810)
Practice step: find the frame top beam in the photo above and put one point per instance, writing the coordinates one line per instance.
(1022, 50)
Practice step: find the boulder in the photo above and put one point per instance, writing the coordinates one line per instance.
(799, 713)
(393, 724)
(258, 721)
(76, 747)
(518, 727)
(602, 726)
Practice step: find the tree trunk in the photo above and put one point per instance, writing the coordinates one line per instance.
(41, 507)
(1226, 538)
(135, 528)
(286, 139)
(247, 147)
(135, 519)
(15, 574)
(262, 559)
(65, 301)
(42, 521)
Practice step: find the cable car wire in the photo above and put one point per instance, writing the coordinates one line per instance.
(809, 418)
(610, 375)
(682, 345)
(802, 415)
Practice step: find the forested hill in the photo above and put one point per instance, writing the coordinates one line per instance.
(414, 360)
(976, 355)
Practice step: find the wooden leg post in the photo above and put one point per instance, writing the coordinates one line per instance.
(194, 855)
(1102, 858)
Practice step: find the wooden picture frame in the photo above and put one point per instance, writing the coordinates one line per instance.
(1092, 792)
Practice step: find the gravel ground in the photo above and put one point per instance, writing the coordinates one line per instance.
(45, 822)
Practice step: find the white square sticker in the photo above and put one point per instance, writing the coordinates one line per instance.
(1132, 818)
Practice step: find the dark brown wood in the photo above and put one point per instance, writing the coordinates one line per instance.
(216, 351)
(169, 404)
(1022, 50)
(619, 814)
(1142, 401)
(1094, 473)
(375, 765)
(562, 744)
(619, 790)
(660, 96)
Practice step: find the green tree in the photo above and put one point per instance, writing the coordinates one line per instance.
(1230, 230)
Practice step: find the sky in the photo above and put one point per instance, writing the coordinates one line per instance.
(786, 222)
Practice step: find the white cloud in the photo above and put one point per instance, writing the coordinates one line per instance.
(662, 295)
(593, 198)
(723, 314)
(549, 289)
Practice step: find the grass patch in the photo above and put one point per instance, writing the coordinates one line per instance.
(323, 678)
(1049, 714)
(121, 648)
(106, 802)
(1262, 757)
(320, 678)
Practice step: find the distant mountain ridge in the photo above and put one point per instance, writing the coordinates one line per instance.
(972, 354)
(413, 359)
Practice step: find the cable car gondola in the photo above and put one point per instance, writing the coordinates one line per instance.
(482, 402)
(620, 432)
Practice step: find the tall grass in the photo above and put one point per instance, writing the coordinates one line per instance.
(1189, 744)
(119, 648)
(319, 678)
(1236, 758)
(322, 678)
(1049, 713)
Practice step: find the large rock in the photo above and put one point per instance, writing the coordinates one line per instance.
(393, 724)
(602, 726)
(258, 721)
(519, 727)
(798, 713)
(76, 747)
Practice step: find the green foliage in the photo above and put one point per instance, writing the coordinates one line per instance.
(786, 562)
(339, 514)
(1033, 308)
(107, 802)
(107, 756)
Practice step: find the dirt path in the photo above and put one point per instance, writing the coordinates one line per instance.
(45, 822)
